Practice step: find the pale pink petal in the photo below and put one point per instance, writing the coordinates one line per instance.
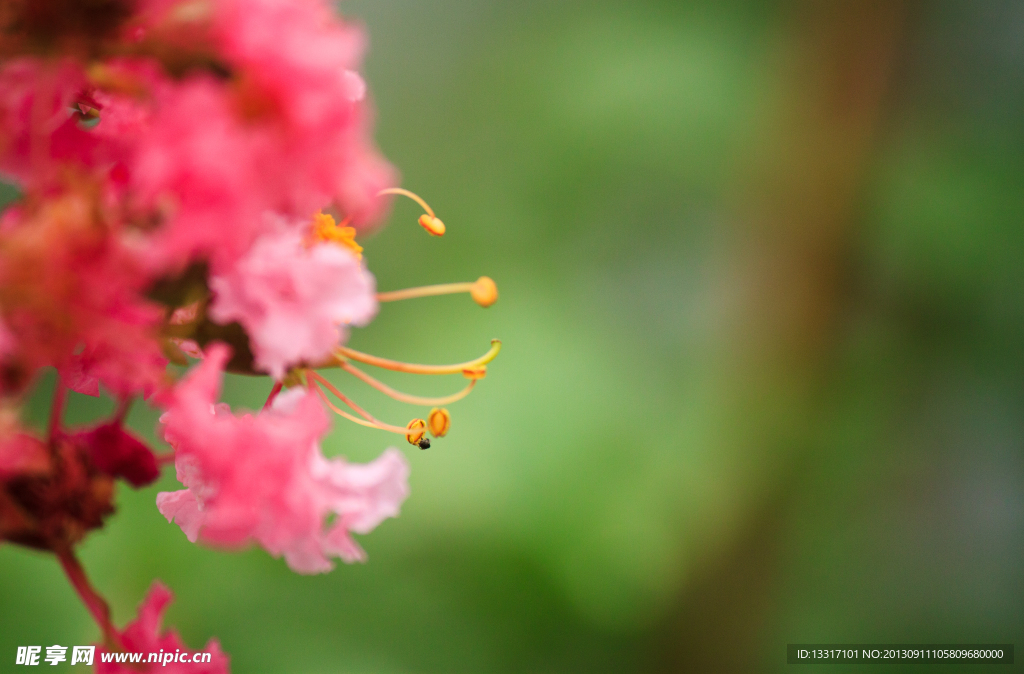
(338, 542)
(182, 508)
(261, 477)
(364, 495)
(307, 556)
(294, 301)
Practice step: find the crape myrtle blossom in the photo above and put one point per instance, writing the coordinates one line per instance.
(143, 636)
(71, 295)
(261, 477)
(33, 94)
(293, 300)
(290, 135)
(193, 176)
(303, 64)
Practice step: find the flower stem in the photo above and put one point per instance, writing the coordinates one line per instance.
(96, 604)
(123, 408)
(273, 394)
(60, 395)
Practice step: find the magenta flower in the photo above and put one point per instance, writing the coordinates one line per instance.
(71, 292)
(291, 135)
(118, 453)
(34, 93)
(300, 66)
(143, 636)
(199, 165)
(262, 478)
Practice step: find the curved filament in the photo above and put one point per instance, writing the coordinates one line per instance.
(405, 397)
(412, 195)
(354, 419)
(398, 366)
(367, 420)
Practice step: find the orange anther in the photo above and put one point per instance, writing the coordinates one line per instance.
(432, 224)
(475, 372)
(484, 291)
(439, 422)
(324, 230)
(417, 426)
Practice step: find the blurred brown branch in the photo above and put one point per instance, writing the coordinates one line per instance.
(796, 205)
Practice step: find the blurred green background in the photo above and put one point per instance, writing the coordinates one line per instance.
(762, 301)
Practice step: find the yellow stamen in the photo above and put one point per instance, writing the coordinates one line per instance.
(439, 422)
(405, 397)
(429, 221)
(483, 291)
(415, 437)
(324, 230)
(397, 366)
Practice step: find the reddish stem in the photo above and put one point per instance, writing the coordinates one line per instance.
(96, 604)
(122, 409)
(273, 394)
(60, 395)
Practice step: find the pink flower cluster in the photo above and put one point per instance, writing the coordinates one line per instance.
(170, 157)
(281, 495)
